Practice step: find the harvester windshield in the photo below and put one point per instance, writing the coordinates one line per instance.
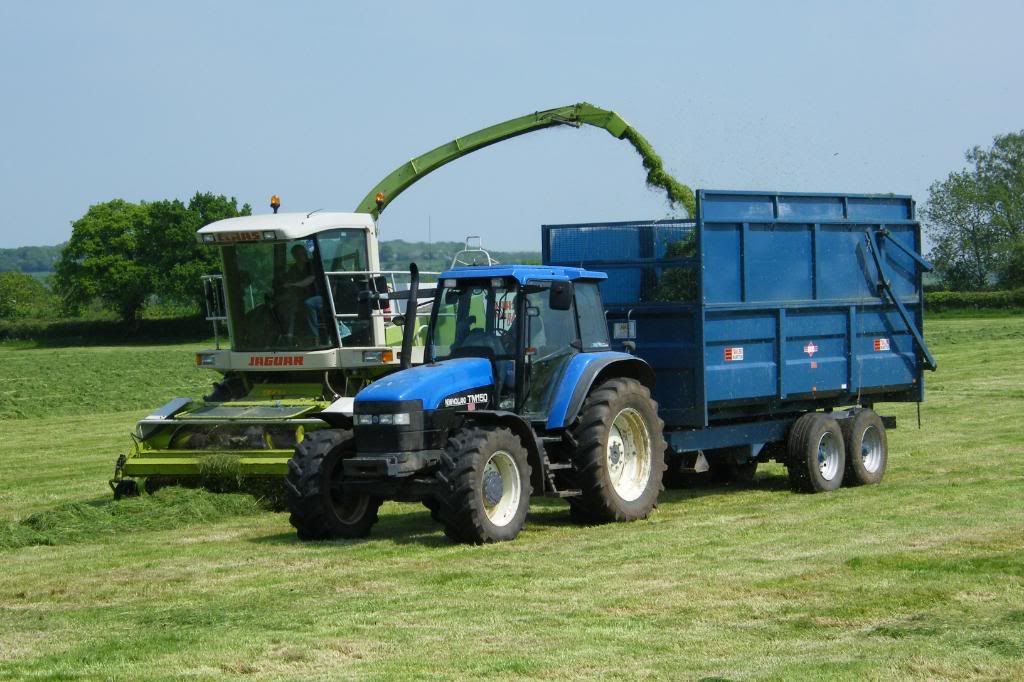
(276, 292)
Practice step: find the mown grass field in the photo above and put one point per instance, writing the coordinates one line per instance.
(919, 578)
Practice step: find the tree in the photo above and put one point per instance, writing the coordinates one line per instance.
(102, 259)
(23, 295)
(976, 215)
(122, 253)
(170, 248)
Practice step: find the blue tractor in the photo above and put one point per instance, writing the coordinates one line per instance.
(520, 394)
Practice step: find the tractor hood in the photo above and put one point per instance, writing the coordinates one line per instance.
(430, 384)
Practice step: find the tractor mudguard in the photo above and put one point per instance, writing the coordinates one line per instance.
(586, 370)
(521, 428)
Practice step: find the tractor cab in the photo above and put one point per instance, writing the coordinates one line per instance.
(526, 322)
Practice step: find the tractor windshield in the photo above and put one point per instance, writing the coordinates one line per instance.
(475, 317)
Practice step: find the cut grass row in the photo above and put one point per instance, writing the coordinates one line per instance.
(921, 577)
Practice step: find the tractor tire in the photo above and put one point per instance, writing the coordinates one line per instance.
(620, 459)
(816, 454)
(486, 476)
(318, 509)
(435, 509)
(867, 449)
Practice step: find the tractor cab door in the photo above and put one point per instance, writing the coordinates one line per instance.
(552, 339)
(344, 258)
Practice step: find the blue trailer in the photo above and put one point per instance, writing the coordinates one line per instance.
(765, 307)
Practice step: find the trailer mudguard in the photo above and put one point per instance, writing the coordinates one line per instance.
(586, 370)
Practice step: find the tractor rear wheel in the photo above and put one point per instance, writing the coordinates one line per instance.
(817, 455)
(487, 479)
(320, 510)
(620, 458)
(867, 450)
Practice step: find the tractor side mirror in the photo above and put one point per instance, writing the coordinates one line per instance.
(561, 296)
(398, 320)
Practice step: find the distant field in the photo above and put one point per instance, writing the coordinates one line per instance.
(921, 577)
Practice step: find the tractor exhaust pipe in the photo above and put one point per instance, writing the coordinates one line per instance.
(409, 330)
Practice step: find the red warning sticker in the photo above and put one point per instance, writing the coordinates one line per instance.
(734, 354)
(811, 348)
(881, 345)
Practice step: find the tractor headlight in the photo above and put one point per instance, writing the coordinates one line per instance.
(398, 419)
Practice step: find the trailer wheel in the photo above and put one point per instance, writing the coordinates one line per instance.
(867, 449)
(620, 459)
(319, 510)
(817, 455)
(487, 476)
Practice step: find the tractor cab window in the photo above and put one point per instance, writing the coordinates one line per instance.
(275, 296)
(475, 317)
(552, 340)
(593, 325)
(344, 259)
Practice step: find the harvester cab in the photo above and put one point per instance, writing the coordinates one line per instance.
(298, 348)
(519, 393)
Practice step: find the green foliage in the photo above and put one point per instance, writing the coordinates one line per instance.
(679, 195)
(23, 296)
(941, 301)
(29, 258)
(1012, 275)
(678, 283)
(122, 254)
(975, 217)
(101, 260)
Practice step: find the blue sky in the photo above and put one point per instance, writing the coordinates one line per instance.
(317, 101)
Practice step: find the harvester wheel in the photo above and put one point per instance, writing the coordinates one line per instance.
(487, 475)
(126, 487)
(817, 455)
(319, 509)
(620, 459)
(867, 450)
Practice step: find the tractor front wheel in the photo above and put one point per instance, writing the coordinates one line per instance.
(320, 510)
(486, 476)
(621, 454)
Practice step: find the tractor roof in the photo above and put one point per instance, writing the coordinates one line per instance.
(289, 225)
(524, 273)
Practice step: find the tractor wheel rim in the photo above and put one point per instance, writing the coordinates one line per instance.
(351, 508)
(828, 456)
(502, 488)
(871, 449)
(628, 454)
